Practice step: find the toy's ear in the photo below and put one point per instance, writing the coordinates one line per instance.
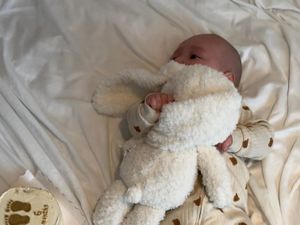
(116, 93)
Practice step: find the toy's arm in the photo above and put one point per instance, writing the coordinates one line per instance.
(134, 194)
(140, 118)
(252, 138)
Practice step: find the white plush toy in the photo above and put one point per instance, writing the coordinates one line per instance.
(158, 170)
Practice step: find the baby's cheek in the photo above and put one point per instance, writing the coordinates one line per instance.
(184, 61)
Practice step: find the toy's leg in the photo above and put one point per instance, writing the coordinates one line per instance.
(111, 207)
(215, 176)
(144, 215)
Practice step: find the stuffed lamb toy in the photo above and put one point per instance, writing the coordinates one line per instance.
(159, 169)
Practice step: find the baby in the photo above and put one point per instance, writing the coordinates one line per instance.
(252, 138)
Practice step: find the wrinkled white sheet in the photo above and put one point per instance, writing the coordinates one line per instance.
(53, 52)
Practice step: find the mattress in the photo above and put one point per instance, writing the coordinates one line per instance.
(53, 54)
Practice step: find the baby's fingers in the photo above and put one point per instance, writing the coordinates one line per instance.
(164, 99)
(171, 98)
(157, 102)
(152, 101)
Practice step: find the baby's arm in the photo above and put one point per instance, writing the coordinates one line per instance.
(252, 138)
(142, 116)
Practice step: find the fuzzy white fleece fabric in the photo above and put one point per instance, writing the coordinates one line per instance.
(205, 111)
(116, 93)
(159, 169)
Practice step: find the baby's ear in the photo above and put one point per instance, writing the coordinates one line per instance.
(230, 76)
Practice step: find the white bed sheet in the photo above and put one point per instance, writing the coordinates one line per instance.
(53, 53)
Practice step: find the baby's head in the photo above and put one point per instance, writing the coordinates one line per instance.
(213, 51)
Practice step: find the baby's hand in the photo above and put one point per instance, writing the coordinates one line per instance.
(157, 100)
(225, 145)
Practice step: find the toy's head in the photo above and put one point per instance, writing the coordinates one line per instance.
(193, 81)
(206, 108)
(213, 51)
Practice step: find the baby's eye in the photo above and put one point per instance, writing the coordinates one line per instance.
(194, 56)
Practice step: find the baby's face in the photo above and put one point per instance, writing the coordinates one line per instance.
(198, 50)
(209, 50)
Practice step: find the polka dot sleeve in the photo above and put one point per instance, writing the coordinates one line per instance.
(140, 118)
(252, 138)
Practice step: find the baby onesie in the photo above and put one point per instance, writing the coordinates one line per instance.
(252, 139)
